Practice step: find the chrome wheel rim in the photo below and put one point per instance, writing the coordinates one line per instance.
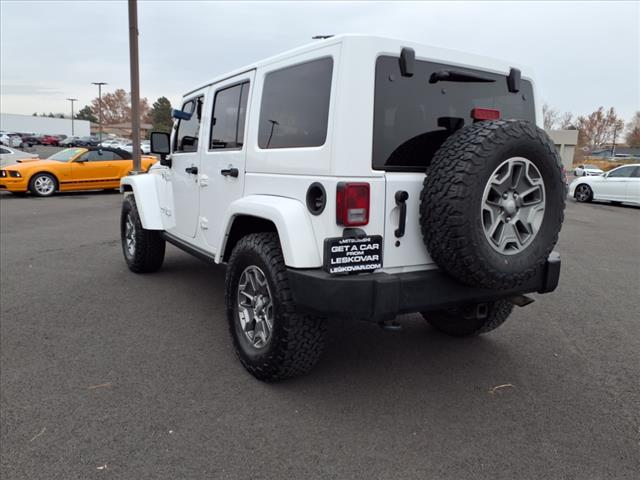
(255, 307)
(513, 206)
(130, 236)
(582, 193)
(44, 185)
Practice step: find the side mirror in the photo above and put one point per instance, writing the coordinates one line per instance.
(180, 114)
(82, 160)
(160, 145)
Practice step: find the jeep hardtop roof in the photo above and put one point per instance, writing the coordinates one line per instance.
(383, 45)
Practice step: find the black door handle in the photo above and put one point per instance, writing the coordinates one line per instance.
(401, 201)
(229, 172)
(193, 170)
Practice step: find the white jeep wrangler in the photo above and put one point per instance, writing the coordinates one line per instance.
(355, 177)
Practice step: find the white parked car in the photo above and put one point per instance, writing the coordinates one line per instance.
(10, 155)
(145, 146)
(357, 177)
(10, 139)
(586, 170)
(111, 143)
(620, 185)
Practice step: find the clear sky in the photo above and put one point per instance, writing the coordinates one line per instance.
(584, 54)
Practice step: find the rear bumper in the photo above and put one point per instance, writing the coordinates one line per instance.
(382, 296)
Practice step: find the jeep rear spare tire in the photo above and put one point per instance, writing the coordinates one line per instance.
(492, 203)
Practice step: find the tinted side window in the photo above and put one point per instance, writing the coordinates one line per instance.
(622, 172)
(229, 111)
(3, 151)
(188, 130)
(636, 173)
(295, 105)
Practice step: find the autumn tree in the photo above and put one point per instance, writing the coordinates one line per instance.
(86, 113)
(633, 131)
(116, 108)
(599, 127)
(161, 115)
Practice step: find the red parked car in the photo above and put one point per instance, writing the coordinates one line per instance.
(49, 140)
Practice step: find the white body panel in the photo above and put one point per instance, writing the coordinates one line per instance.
(218, 192)
(147, 188)
(291, 220)
(272, 183)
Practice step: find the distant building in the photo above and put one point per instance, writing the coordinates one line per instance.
(121, 129)
(605, 152)
(565, 142)
(11, 122)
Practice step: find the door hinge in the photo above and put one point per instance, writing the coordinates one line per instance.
(204, 223)
(166, 211)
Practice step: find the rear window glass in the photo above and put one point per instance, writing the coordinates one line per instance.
(413, 117)
(295, 105)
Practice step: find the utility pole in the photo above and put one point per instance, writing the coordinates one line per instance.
(99, 84)
(613, 145)
(135, 85)
(72, 100)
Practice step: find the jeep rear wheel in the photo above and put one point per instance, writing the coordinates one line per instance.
(470, 320)
(272, 340)
(143, 249)
(492, 203)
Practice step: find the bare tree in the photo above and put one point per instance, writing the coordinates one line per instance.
(550, 117)
(599, 127)
(633, 131)
(566, 121)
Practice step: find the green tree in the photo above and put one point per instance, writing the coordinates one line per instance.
(161, 115)
(35, 114)
(86, 113)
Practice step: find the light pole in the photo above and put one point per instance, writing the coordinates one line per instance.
(99, 84)
(72, 100)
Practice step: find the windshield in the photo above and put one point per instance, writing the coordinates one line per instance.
(592, 167)
(413, 116)
(66, 154)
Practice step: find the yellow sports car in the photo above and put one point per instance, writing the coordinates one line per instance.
(70, 169)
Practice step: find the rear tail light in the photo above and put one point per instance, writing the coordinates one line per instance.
(352, 204)
(485, 114)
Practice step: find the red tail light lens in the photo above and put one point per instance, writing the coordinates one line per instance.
(352, 204)
(485, 114)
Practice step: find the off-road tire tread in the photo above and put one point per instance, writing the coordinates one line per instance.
(150, 245)
(443, 216)
(299, 348)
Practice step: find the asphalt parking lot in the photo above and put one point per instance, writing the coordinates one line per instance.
(109, 374)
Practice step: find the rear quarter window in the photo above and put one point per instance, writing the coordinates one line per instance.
(295, 105)
(413, 117)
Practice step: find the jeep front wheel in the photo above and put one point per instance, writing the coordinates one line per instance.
(470, 320)
(272, 340)
(143, 249)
